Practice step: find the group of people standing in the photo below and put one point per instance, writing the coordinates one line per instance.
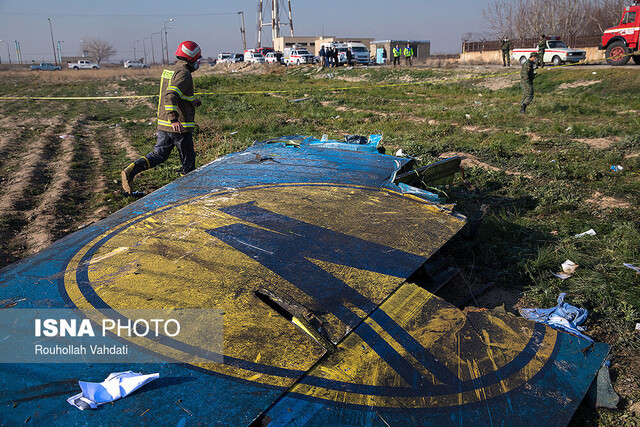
(408, 55)
(330, 56)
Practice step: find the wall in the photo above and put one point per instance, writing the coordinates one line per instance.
(495, 56)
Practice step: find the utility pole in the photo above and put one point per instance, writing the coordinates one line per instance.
(275, 23)
(53, 45)
(135, 58)
(60, 50)
(8, 51)
(153, 55)
(244, 36)
(260, 19)
(144, 46)
(166, 43)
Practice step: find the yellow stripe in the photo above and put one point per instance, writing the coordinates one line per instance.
(300, 90)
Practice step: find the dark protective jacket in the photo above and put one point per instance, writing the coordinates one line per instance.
(542, 44)
(176, 98)
(506, 45)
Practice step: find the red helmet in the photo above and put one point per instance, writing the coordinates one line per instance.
(189, 50)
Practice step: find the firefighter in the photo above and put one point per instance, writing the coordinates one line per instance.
(542, 46)
(176, 114)
(396, 55)
(506, 48)
(408, 54)
(526, 81)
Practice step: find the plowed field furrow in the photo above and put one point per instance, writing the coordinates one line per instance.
(46, 218)
(122, 141)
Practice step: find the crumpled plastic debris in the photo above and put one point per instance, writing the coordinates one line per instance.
(66, 136)
(633, 267)
(590, 232)
(617, 168)
(564, 317)
(116, 386)
(569, 266)
(562, 276)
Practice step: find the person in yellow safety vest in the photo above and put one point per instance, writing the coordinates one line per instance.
(408, 54)
(396, 55)
(176, 116)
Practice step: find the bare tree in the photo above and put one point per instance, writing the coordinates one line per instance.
(101, 50)
(568, 18)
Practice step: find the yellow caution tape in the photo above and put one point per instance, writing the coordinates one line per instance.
(324, 89)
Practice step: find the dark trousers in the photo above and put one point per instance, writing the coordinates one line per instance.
(506, 58)
(396, 60)
(527, 92)
(166, 141)
(407, 61)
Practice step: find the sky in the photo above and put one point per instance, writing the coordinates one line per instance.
(215, 24)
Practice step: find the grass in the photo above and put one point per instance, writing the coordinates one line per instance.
(565, 184)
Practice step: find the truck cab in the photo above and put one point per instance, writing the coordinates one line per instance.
(621, 42)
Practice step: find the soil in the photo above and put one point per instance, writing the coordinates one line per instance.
(581, 83)
(606, 202)
(471, 160)
(600, 143)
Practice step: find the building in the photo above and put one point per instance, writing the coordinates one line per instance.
(313, 43)
(421, 49)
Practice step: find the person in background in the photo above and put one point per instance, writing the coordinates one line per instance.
(526, 81)
(506, 48)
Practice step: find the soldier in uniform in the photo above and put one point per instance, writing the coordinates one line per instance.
(526, 81)
(542, 46)
(506, 48)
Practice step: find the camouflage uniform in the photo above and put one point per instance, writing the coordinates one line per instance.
(506, 47)
(526, 83)
(542, 46)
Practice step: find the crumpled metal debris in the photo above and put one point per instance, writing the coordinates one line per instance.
(564, 317)
(116, 386)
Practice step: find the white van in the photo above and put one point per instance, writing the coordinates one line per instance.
(360, 53)
(255, 57)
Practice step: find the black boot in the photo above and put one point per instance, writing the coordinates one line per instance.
(523, 109)
(131, 171)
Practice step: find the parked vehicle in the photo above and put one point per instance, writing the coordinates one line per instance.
(557, 52)
(135, 64)
(623, 41)
(273, 58)
(360, 53)
(236, 57)
(255, 57)
(298, 56)
(45, 66)
(84, 64)
(224, 57)
(264, 50)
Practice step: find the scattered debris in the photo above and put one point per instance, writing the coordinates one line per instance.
(568, 129)
(616, 168)
(116, 386)
(468, 116)
(300, 99)
(633, 267)
(477, 102)
(590, 232)
(601, 393)
(399, 153)
(564, 317)
(233, 133)
(569, 266)
(637, 326)
(562, 276)
(66, 136)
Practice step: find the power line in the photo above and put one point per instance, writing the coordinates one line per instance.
(115, 15)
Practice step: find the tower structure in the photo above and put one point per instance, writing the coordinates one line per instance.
(274, 8)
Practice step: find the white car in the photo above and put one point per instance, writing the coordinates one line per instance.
(273, 58)
(224, 57)
(255, 57)
(135, 64)
(299, 56)
(557, 52)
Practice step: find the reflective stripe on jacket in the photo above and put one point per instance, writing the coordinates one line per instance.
(396, 51)
(176, 98)
(408, 51)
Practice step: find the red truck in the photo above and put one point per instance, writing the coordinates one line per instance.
(621, 42)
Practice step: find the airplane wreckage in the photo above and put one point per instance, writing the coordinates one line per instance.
(304, 248)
